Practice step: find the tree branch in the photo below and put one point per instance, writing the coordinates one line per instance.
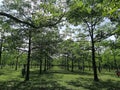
(16, 19)
(31, 24)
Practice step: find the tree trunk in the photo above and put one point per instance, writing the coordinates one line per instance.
(16, 65)
(45, 64)
(40, 71)
(93, 58)
(1, 54)
(72, 64)
(67, 63)
(78, 64)
(28, 58)
(83, 66)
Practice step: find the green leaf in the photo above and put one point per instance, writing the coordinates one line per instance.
(88, 10)
(111, 11)
(80, 3)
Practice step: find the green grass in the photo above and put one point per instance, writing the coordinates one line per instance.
(7, 74)
(57, 79)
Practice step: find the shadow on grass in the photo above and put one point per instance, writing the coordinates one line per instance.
(88, 83)
(45, 81)
(50, 81)
(1, 73)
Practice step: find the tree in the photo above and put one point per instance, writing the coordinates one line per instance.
(91, 13)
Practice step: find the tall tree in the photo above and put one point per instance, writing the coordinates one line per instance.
(90, 12)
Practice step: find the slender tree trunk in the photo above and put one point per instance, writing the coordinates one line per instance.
(45, 64)
(28, 58)
(16, 65)
(1, 54)
(78, 64)
(49, 64)
(93, 58)
(100, 59)
(40, 71)
(83, 66)
(72, 64)
(67, 64)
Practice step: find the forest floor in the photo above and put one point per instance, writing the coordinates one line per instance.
(58, 79)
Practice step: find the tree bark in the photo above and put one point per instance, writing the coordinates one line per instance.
(16, 65)
(93, 59)
(67, 63)
(78, 64)
(1, 54)
(72, 64)
(40, 71)
(45, 64)
(83, 64)
(28, 58)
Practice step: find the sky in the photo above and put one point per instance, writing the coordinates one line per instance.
(1, 1)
